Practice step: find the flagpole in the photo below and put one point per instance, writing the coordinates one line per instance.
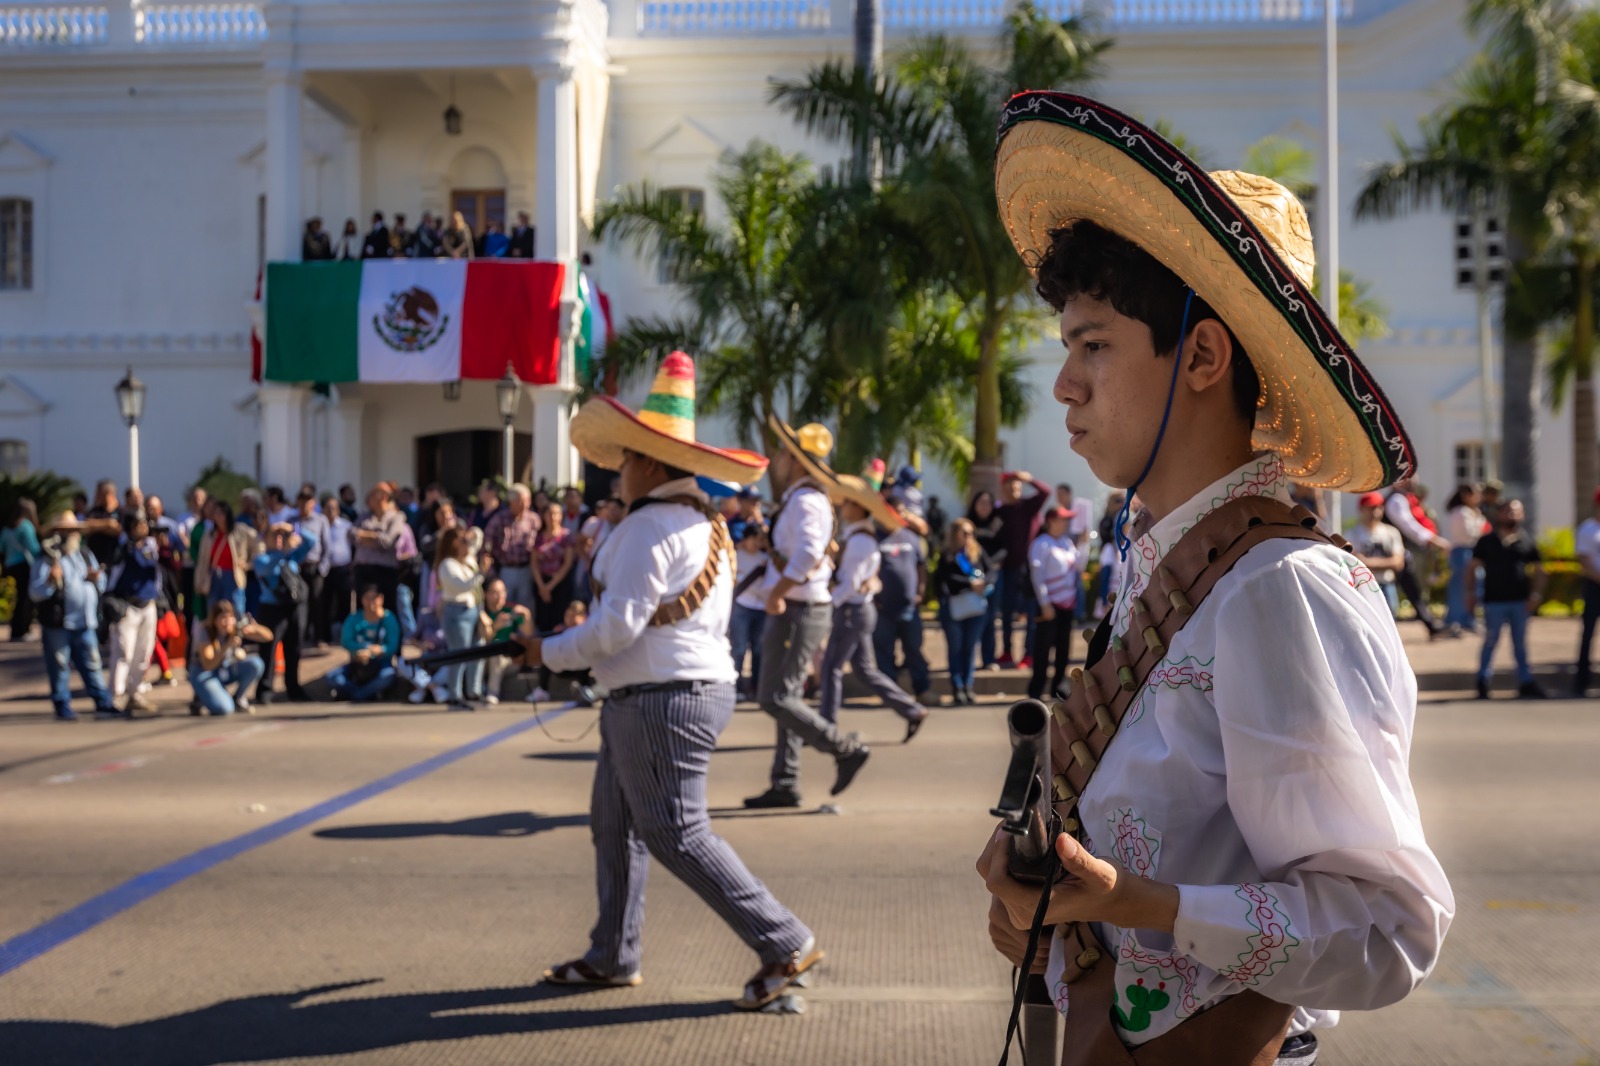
(1328, 200)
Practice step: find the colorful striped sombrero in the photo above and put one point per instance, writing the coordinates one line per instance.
(663, 429)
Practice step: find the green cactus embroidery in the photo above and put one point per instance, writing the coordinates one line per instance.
(1144, 1002)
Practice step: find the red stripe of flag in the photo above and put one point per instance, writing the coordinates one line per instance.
(511, 313)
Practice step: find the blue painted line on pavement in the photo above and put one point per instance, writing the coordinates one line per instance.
(26, 947)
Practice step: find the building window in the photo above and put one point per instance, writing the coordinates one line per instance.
(1466, 250)
(693, 201)
(1469, 462)
(13, 458)
(16, 243)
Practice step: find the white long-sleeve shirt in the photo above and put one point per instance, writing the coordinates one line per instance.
(654, 554)
(1398, 508)
(800, 536)
(459, 582)
(859, 562)
(1264, 770)
(1053, 568)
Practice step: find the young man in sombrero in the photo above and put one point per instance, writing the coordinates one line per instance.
(800, 614)
(656, 639)
(855, 613)
(1241, 854)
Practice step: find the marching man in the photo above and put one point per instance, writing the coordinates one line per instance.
(1242, 855)
(855, 617)
(800, 615)
(657, 641)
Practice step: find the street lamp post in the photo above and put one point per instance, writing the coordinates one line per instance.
(130, 401)
(508, 394)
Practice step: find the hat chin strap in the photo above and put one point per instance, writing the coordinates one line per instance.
(1122, 538)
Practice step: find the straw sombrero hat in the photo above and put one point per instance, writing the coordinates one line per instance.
(663, 429)
(859, 491)
(810, 444)
(1240, 241)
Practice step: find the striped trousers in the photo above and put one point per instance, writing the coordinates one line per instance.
(650, 799)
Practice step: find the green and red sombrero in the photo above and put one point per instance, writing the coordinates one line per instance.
(663, 429)
(1241, 241)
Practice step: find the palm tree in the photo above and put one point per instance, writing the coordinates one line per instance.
(742, 314)
(933, 121)
(1518, 136)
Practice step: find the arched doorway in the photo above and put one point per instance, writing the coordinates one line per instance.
(478, 188)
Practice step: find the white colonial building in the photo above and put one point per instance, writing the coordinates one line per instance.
(154, 155)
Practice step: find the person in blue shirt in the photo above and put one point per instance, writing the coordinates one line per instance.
(135, 587)
(19, 547)
(372, 637)
(65, 588)
(285, 551)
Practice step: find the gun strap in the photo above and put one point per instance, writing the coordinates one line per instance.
(1246, 1026)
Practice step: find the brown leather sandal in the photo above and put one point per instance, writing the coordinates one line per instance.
(775, 978)
(578, 972)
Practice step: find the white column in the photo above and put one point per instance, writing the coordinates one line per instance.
(283, 459)
(284, 165)
(133, 455)
(344, 441)
(552, 442)
(556, 237)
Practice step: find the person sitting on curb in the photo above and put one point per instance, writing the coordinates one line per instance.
(223, 661)
(372, 637)
(65, 587)
(500, 621)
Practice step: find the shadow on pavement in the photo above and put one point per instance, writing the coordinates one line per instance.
(284, 1026)
(510, 824)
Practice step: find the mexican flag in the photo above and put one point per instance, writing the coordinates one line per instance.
(413, 320)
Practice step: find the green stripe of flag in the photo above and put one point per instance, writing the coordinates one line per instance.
(312, 325)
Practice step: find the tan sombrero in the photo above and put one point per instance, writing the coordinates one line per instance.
(64, 522)
(663, 429)
(810, 444)
(859, 491)
(1240, 241)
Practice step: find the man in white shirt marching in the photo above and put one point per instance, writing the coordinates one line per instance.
(1053, 568)
(1418, 537)
(855, 617)
(800, 615)
(656, 639)
(1241, 851)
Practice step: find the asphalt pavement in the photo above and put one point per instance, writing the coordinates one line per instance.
(384, 885)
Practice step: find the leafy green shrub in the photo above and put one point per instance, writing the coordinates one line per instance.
(50, 492)
(222, 482)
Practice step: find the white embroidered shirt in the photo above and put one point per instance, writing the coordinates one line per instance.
(1264, 771)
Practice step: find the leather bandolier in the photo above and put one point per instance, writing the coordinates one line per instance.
(1246, 1028)
(671, 612)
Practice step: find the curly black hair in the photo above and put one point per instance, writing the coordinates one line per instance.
(1086, 259)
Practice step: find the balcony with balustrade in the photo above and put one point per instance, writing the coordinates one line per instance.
(133, 25)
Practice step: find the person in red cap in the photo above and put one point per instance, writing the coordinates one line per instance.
(1053, 568)
(1587, 546)
(1378, 545)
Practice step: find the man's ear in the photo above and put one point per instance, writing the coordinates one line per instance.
(1208, 355)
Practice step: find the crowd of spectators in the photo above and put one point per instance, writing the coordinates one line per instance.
(431, 238)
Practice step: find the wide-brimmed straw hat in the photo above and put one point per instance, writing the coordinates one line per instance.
(859, 491)
(663, 429)
(1240, 241)
(810, 445)
(64, 522)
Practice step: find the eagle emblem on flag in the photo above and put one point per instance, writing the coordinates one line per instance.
(411, 320)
